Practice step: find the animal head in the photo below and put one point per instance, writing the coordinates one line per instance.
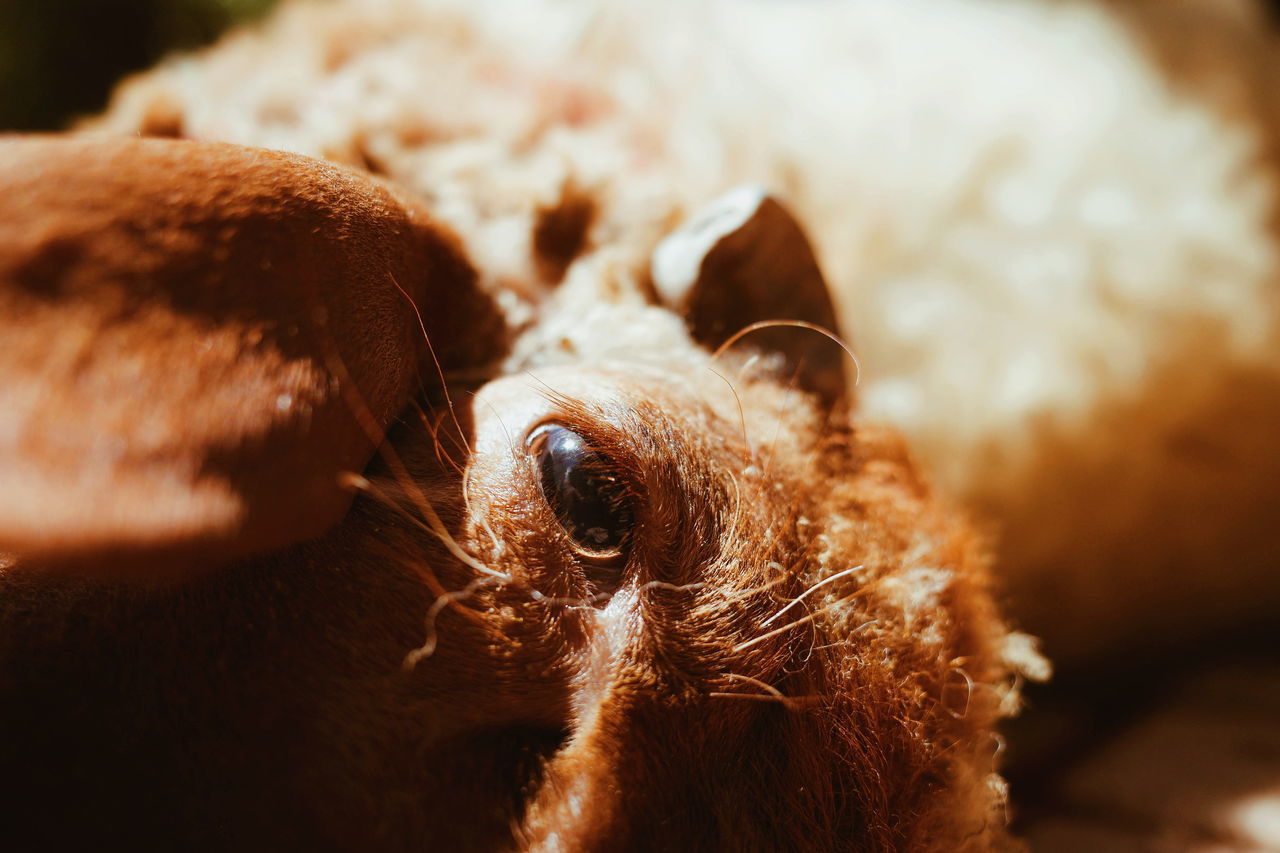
(316, 542)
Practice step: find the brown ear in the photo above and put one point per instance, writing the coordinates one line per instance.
(744, 259)
(177, 322)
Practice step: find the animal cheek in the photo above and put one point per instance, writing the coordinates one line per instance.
(506, 503)
(513, 534)
(538, 604)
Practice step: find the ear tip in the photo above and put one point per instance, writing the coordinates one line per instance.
(677, 260)
(745, 259)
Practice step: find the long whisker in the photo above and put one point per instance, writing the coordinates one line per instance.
(499, 548)
(804, 620)
(777, 429)
(755, 590)
(444, 386)
(590, 600)
(751, 362)
(771, 694)
(737, 501)
(375, 434)
(742, 417)
(433, 427)
(688, 587)
(796, 324)
(757, 697)
(754, 641)
(814, 588)
(748, 592)
(768, 688)
(793, 703)
(429, 522)
(458, 441)
(428, 647)
(377, 437)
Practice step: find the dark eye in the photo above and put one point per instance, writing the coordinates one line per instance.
(584, 490)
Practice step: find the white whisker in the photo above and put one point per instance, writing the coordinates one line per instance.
(803, 595)
(804, 620)
(673, 587)
(428, 647)
(742, 417)
(768, 688)
(430, 522)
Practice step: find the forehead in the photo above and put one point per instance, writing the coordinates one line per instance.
(682, 393)
(617, 395)
(579, 327)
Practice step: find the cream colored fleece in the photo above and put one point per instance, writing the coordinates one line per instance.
(1048, 225)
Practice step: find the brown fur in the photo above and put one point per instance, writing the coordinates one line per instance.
(255, 271)
(696, 702)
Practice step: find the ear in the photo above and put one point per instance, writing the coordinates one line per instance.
(743, 260)
(198, 339)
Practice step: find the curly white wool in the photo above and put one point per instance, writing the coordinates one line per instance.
(1055, 262)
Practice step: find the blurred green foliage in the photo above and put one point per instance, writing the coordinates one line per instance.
(60, 58)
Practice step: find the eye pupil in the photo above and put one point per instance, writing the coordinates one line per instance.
(581, 488)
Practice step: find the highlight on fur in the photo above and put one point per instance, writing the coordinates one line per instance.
(795, 643)
(1053, 250)
(1048, 226)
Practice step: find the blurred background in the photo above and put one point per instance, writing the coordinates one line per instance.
(60, 58)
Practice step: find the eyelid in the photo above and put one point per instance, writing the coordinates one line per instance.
(602, 426)
(539, 429)
(612, 427)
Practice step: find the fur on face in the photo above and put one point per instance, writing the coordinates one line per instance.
(1049, 227)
